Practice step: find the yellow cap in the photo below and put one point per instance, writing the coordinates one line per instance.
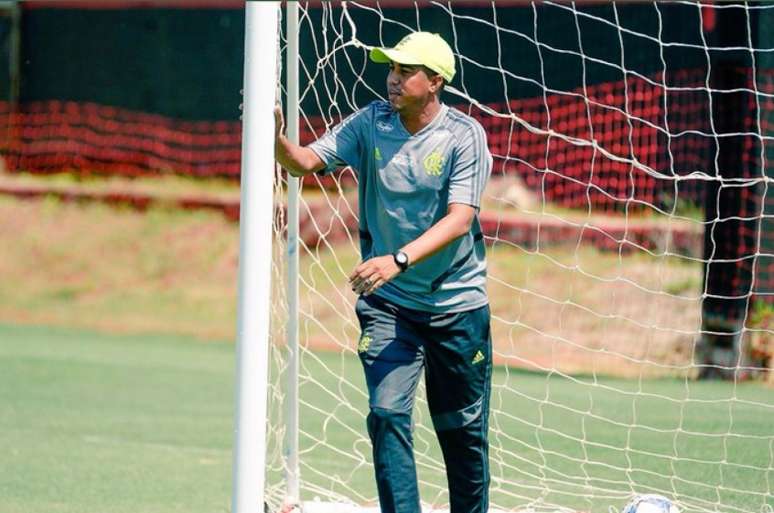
(423, 48)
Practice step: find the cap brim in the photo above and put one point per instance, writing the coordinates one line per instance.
(385, 55)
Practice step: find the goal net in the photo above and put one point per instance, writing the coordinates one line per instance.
(630, 253)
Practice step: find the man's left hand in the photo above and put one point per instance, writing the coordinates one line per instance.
(372, 274)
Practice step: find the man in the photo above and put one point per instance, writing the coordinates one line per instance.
(421, 167)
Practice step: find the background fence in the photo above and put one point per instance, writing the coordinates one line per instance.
(142, 101)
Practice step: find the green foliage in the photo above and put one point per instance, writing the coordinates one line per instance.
(761, 315)
(681, 207)
(682, 286)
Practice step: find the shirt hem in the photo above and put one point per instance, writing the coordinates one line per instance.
(429, 309)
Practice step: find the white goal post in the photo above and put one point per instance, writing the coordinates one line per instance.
(256, 222)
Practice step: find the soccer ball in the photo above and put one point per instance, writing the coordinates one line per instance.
(650, 503)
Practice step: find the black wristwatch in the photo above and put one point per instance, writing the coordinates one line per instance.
(401, 260)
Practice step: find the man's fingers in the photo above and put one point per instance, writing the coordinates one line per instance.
(361, 272)
(279, 121)
(364, 281)
(375, 285)
(368, 276)
(355, 273)
(356, 281)
(362, 285)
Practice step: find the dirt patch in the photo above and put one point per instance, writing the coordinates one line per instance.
(117, 270)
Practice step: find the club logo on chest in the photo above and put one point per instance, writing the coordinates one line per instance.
(434, 163)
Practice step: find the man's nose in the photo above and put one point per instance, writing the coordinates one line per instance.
(393, 78)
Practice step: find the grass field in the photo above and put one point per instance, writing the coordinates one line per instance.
(98, 423)
(116, 374)
(94, 423)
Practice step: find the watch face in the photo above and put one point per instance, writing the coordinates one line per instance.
(402, 258)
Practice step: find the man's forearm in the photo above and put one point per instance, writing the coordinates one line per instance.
(453, 225)
(376, 271)
(298, 160)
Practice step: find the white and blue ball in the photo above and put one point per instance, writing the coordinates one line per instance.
(651, 503)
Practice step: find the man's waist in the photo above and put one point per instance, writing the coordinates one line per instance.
(445, 300)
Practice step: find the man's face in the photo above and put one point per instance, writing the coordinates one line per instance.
(409, 85)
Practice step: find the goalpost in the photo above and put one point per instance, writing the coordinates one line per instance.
(256, 222)
(630, 255)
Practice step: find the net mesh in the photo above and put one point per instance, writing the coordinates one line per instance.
(622, 135)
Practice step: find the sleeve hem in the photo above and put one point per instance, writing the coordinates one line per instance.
(324, 160)
(469, 202)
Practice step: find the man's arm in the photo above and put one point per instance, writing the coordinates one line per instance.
(453, 225)
(375, 272)
(298, 160)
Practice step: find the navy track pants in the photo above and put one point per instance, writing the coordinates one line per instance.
(455, 352)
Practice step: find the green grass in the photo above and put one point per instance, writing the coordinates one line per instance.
(92, 423)
(98, 423)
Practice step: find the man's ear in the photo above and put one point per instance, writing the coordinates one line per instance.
(437, 83)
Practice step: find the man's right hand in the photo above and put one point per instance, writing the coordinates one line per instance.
(279, 122)
(297, 160)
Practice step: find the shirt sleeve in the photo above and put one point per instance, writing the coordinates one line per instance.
(342, 145)
(471, 168)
